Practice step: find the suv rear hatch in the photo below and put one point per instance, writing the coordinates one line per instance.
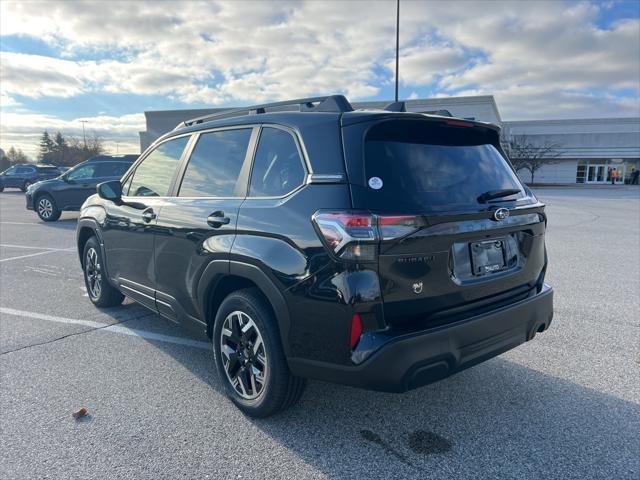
(458, 233)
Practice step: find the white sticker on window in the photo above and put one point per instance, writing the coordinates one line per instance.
(375, 183)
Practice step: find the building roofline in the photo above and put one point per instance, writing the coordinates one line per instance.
(574, 121)
(182, 110)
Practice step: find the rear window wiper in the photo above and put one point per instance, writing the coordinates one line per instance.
(491, 194)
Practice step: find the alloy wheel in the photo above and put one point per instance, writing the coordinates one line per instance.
(93, 272)
(243, 355)
(45, 207)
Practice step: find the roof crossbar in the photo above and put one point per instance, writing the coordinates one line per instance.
(331, 103)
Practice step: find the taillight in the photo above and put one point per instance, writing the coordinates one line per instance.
(459, 123)
(354, 236)
(397, 226)
(351, 235)
(356, 330)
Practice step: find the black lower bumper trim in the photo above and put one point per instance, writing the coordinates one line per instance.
(411, 361)
(29, 202)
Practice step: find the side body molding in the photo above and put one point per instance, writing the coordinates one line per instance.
(211, 276)
(90, 223)
(218, 269)
(257, 276)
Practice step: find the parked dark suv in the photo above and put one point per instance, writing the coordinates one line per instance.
(21, 176)
(380, 249)
(69, 190)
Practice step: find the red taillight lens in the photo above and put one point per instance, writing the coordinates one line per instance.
(397, 226)
(351, 235)
(355, 235)
(356, 330)
(459, 123)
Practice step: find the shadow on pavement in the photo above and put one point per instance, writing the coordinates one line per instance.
(496, 420)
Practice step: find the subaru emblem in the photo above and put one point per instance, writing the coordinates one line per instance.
(501, 214)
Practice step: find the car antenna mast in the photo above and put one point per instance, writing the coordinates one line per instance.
(397, 45)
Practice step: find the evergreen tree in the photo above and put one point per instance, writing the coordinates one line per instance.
(46, 151)
(60, 148)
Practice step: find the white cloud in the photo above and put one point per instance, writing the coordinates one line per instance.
(255, 51)
(36, 76)
(540, 59)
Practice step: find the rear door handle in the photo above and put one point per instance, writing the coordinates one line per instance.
(217, 219)
(148, 215)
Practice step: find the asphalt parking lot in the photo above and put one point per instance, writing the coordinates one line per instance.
(566, 405)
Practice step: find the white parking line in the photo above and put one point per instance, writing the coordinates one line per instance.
(30, 247)
(19, 223)
(27, 247)
(105, 327)
(26, 256)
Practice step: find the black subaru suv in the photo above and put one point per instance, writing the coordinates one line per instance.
(67, 192)
(380, 249)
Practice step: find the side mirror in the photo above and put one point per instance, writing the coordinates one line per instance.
(111, 191)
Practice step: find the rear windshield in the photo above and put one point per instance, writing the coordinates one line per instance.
(417, 165)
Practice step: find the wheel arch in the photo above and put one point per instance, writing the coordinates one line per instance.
(43, 193)
(86, 229)
(221, 278)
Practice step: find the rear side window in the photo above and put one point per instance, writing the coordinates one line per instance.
(215, 164)
(112, 169)
(82, 173)
(419, 166)
(153, 176)
(25, 170)
(277, 168)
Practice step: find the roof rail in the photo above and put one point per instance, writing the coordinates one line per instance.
(330, 103)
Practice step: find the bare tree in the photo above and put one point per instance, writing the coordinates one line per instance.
(531, 156)
(69, 151)
(16, 156)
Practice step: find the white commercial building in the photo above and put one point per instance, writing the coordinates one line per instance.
(585, 150)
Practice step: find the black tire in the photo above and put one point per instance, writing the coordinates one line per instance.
(46, 208)
(100, 291)
(1, 188)
(25, 185)
(280, 389)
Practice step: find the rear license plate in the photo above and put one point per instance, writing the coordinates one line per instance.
(487, 256)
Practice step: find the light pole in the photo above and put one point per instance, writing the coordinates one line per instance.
(84, 136)
(397, 44)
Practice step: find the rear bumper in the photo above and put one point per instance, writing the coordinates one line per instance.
(411, 361)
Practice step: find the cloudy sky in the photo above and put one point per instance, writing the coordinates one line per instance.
(107, 62)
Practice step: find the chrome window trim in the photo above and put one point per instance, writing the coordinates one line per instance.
(299, 145)
(327, 178)
(302, 152)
